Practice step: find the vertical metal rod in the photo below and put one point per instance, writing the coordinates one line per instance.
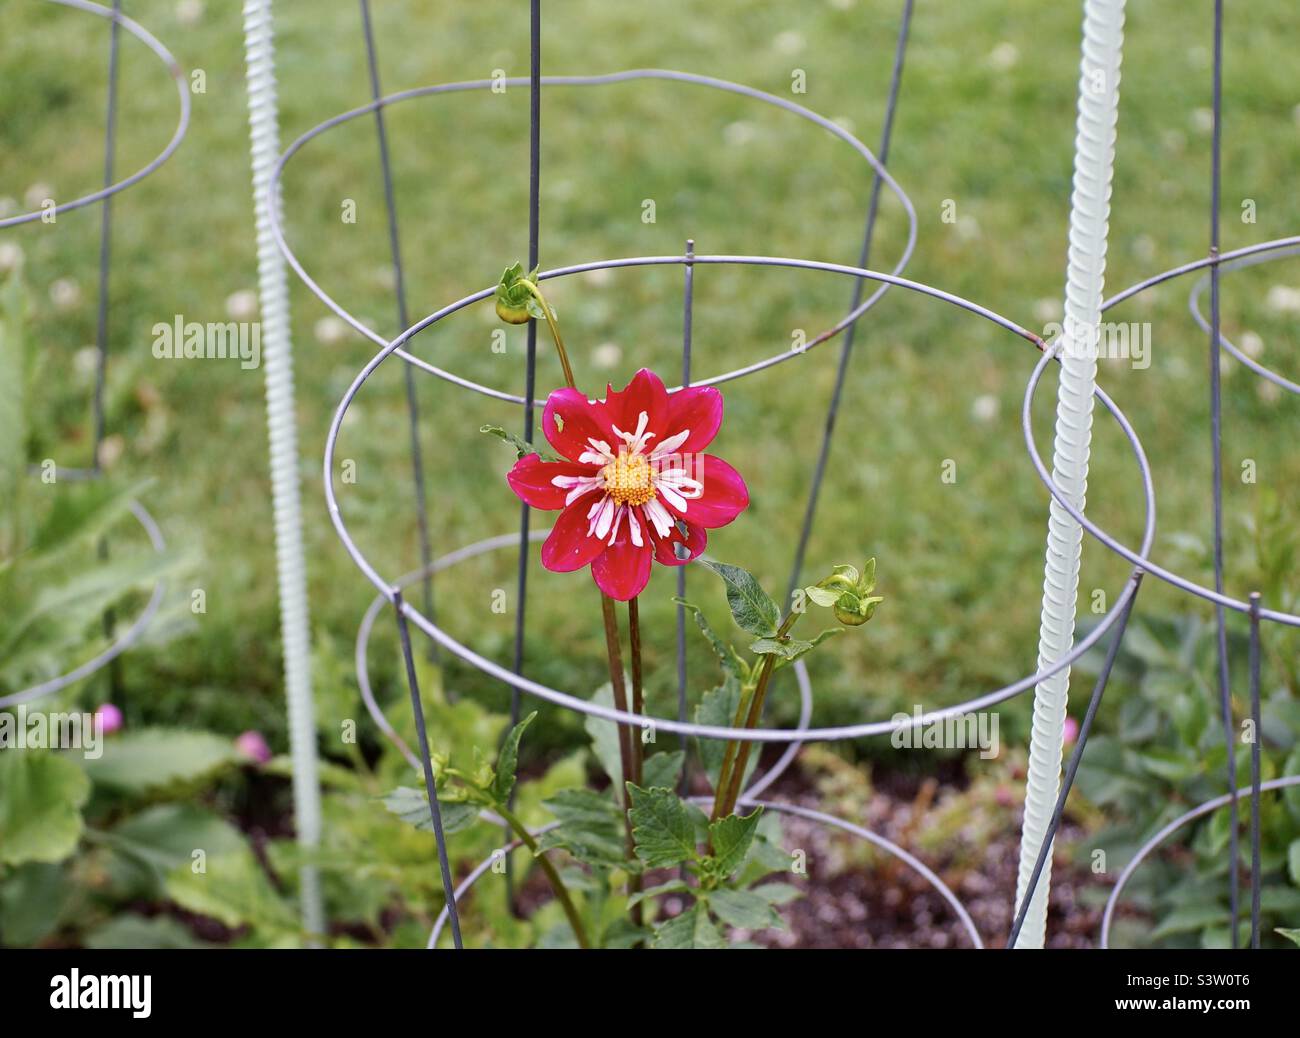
(688, 316)
(105, 242)
(1216, 434)
(426, 762)
(530, 370)
(101, 313)
(1256, 736)
(403, 321)
(859, 289)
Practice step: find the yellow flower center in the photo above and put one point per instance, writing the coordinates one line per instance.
(627, 479)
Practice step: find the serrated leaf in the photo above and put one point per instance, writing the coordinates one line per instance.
(691, 929)
(787, 650)
(412, 805)
(41, 796)
(663, 832)
(731, 838)
(743, 908)
(751, 607)
(778, 893)
(720, 648)
(663, 769)
(591, 828)
(807, 647)
(675, 886)
(153, 758)
(508, 761)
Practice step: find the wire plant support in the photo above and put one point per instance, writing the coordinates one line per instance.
(1065, 479)
(120, 639)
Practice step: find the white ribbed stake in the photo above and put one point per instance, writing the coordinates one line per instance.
(1094, 160)
(277, 360)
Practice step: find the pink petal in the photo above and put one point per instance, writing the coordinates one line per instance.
(623, 570)
(723, 498)
(698, 409)
(531, 480)
(582, 420)
(568, 547)
(695, 541)
(646, 393)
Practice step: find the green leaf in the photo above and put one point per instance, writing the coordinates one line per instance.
(160, 838)
(663, 832)
(591, 828)
(778, 893)
(744, 908)
(720, 648)
(691, 929)
(522, 447)
(1293, 861)
(13, 382)
(751, 607)
(134, 931)
(41, 796)
(663, 769)
(604, 740)
(718, 708)
(675, 886)
(508, 761)
(234, 890)
(1290, 935)
(153, 758)
(822, 596)
(731, 837)
(412, 805)
(32, 901)
(787, 650)
(807, 647)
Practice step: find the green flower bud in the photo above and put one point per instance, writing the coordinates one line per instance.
(848, 593)
(515, 304)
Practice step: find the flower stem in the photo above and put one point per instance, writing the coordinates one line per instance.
(725, 796)
(557, 884)
(625, 736)
(555, 330)
(638, 695)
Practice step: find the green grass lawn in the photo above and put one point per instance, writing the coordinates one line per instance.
(986, 120)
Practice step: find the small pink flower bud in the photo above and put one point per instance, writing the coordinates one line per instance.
(109, 718)
(253, 745)
(1071, 731)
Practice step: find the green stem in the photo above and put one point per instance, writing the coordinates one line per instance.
(557, 884)
(625, 737)
(725, 797)
(555, 330)
(638, 696)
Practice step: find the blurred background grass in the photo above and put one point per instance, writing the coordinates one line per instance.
(985, 120)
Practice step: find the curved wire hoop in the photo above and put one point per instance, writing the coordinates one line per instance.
(182, 125)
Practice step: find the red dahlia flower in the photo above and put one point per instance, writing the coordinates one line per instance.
(635, 485)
